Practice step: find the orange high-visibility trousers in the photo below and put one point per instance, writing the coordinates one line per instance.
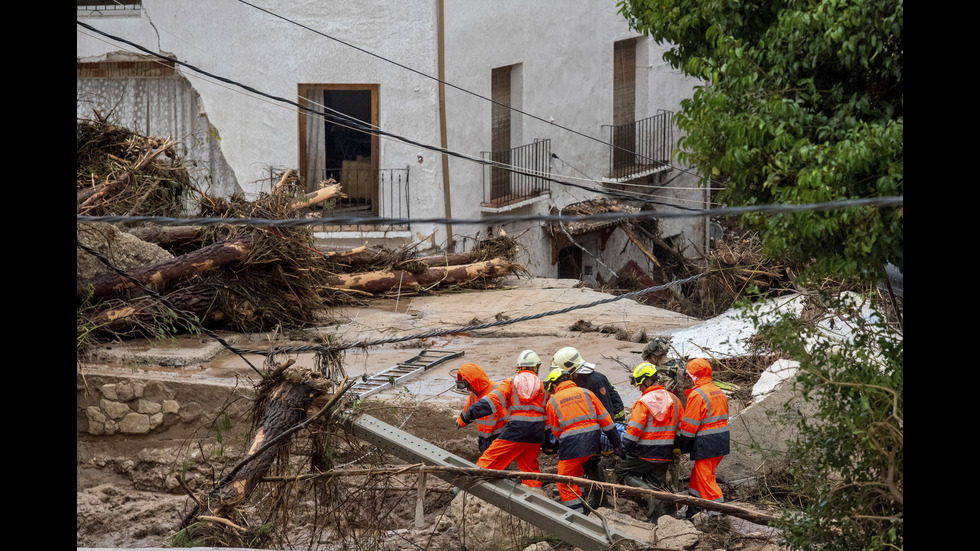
(502, 453)
(570, 492)
(703, 483)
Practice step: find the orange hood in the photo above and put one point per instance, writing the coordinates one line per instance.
(476, 377)
(700, 368)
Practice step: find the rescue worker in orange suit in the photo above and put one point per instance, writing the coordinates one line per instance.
(520, 399)
(648, 444)
(703, 432)
(577, 419)
(471, 377)
(585, 376)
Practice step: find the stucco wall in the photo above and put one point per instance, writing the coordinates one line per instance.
(564, 56)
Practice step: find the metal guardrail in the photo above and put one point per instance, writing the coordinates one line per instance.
(639, 147)
(502, 186)
(582, 531)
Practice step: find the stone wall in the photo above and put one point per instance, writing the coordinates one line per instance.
(109, 405)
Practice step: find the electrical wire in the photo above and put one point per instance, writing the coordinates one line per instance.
(354, 124)
(886, 201)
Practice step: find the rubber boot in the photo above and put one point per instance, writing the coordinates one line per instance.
(593, 471)
(653, 505)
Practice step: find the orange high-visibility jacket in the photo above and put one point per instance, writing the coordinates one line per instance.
(477, 378)
(524, 414)
(576, 417)
(703, 430)
(653, 425)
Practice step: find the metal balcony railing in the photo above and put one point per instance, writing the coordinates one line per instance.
(109, 5)
(642, 147)
(369, 192)
(516, 180)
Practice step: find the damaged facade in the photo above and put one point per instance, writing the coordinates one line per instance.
(576, 95)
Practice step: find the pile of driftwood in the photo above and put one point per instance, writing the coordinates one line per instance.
(230, 276)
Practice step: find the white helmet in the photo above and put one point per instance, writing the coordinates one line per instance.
(528, 359)
(570, 360)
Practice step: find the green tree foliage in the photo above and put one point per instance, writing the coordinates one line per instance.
(802, 103)
(847, 463)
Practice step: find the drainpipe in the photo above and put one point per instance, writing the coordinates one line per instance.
(442, 123)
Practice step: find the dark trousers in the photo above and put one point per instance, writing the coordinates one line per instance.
(651, 475)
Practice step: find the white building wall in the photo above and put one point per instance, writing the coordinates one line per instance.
(270, 54)
(563, 50)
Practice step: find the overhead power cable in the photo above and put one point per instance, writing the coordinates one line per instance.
(355, 124)
(436, 79)
(365, 344)
(888, 201)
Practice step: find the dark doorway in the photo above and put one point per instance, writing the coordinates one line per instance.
(570, 263)
(344, 143)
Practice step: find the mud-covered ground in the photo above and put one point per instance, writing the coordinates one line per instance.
(128, 489)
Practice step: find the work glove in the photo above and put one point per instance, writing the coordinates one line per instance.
(465, 418)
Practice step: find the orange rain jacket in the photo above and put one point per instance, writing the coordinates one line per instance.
(490, 425)
(653, 425)
(703, 430)
(524, 415)
(576, 417)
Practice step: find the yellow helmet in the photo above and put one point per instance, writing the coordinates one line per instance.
(556, 376)
(528, 360)
(643, 372)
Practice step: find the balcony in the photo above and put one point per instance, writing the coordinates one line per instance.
(640, 148)
(369, 192)
(505, 189)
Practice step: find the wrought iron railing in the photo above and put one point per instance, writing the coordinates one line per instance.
(512, 175)
(109, 5)
(639, 147)
(371, 192)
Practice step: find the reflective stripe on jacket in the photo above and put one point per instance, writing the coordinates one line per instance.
(703, 430)
(489, 425)
(576, 417)
(652, 425)
(524, 416)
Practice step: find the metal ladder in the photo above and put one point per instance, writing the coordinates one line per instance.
(402, 371)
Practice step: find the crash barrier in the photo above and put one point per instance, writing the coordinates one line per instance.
(582, 531)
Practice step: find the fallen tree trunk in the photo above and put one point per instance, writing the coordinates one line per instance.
(476, 472)
(298, 389)
(145, 312)
(167, 236)
(405, 281)
(201, 260)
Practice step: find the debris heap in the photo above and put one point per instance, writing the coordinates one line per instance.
(131, 278)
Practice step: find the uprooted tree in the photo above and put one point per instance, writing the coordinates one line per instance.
(803, 102)
(229, 276)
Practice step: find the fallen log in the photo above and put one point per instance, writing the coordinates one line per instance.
(201, 260)
(296, 390)
(167, 236)
(476, 472)
(405, 281)
(145, 312)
